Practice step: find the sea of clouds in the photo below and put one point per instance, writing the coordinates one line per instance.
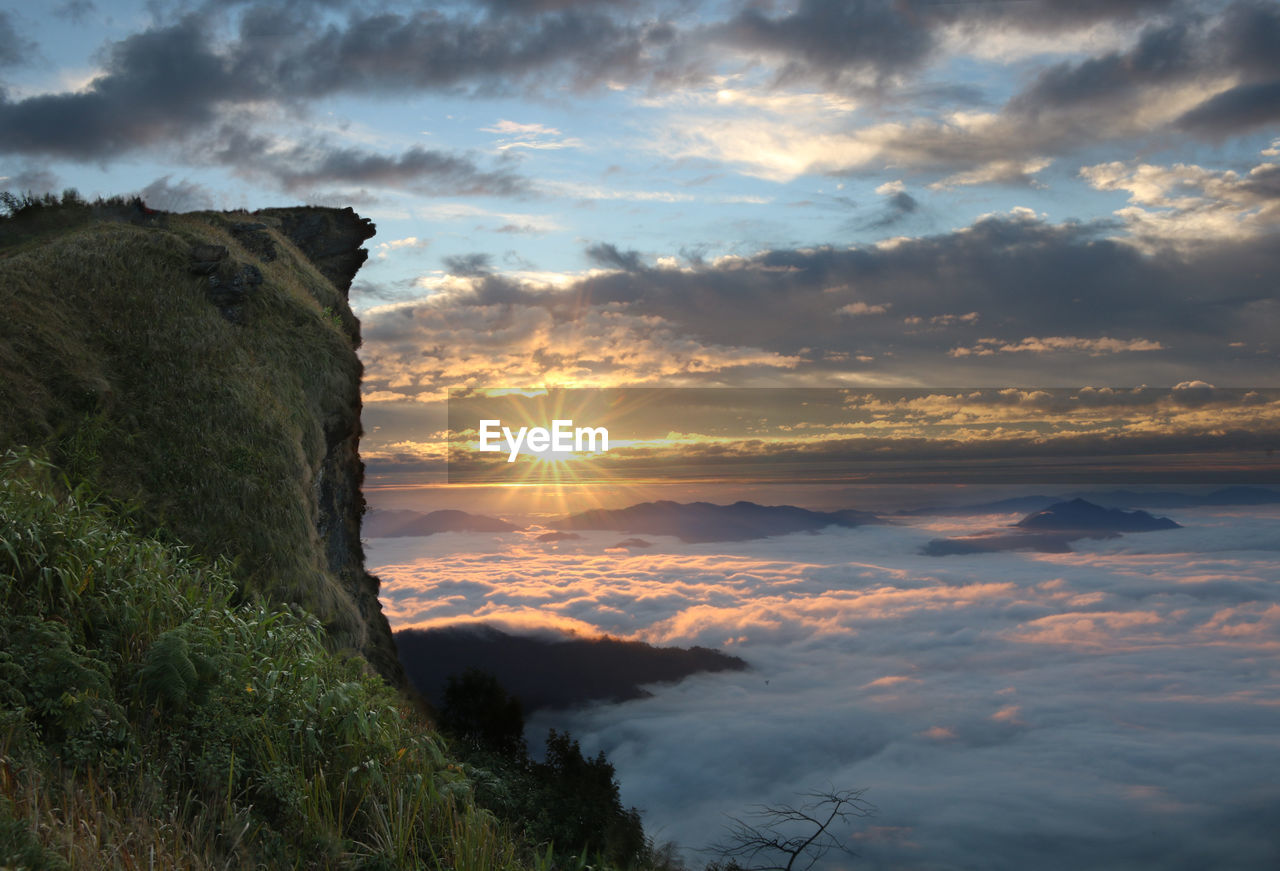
(1115, 707)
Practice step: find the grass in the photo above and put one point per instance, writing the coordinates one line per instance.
(151, 721)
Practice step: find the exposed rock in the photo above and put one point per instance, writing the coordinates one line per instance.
(331, 239)
(256, 239)
(205, 258)
(229, 289)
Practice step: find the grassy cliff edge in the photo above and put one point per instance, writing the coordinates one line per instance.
(204, 368)
(195, 671)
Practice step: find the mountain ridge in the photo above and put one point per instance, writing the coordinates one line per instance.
(703, 522)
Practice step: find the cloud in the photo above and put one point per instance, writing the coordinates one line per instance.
(608, 256)
(899, 206)
(1236, 51)
(531, 136)
(159, 85)
(861, 308)
(184, 196)
(1050, 344)
(30, 179)
(1010, 172)
(1235, 110)
(14, 49)
(861, 46)
(831, 42)
(384, 249)
(432, 49)
(424, 348)
(1188, 205)
(75, 10)
(179, 79)
(1121, 684)
(1188, 69)
(305, 167)
(172, 81)
(469, 265)
(968, 300)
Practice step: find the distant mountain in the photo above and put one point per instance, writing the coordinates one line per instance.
(1079, 515)
(1052, 530)
(704, 521)
(396, 523)
(550, 672)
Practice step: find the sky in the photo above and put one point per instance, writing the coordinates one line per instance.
(593, 193)
(1189, 433)
(930, 194)
(1115, 707)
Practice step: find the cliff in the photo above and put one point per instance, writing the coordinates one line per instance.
(201, 370)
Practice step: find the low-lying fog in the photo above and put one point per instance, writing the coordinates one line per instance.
(1114, 707)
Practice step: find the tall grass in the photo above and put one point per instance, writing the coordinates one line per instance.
(151, 719)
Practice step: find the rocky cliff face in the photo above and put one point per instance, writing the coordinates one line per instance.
(204, 367)
(333, 239)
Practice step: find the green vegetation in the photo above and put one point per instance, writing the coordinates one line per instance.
(568, 801)
(145, 713)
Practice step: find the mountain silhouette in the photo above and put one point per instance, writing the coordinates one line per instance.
(399, 522)
(1083, 516)
(705, 522)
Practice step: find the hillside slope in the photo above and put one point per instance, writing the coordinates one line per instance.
(203, 367)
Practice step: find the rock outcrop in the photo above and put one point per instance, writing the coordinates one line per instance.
(330, 238)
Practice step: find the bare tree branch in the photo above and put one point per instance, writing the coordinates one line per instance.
(791, 837)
